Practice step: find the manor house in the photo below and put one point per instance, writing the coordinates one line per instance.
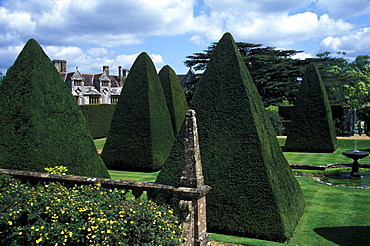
(93, 88)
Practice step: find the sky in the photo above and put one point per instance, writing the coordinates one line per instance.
(90, 34)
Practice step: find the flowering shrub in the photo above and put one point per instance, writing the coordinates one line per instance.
(51, 214)
(57, 170)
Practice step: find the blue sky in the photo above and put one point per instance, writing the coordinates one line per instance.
(92, 33)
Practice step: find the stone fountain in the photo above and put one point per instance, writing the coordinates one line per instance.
(355, 155)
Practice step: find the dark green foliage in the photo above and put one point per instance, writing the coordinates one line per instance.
(337, 114)
(312, 127)
(175, 97)
(141, 134)
(98, 117)
(1, 77)
(276, 119)
(40, 123)
(254, 192)
(52, 214)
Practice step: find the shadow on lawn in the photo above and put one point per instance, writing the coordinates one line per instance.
(346, 235)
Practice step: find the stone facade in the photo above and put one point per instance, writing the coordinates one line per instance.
(102, 88)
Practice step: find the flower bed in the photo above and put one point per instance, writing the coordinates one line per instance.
(53, 214)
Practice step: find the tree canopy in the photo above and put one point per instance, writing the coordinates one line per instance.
(277, 74)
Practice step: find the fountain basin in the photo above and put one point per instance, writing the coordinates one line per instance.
(343, 178)
(355, 155)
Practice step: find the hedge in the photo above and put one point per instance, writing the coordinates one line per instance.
(175, 97)
(312, 126)
(254, 193)
(337, 115)
(140, 135)
(98, 117)
(41, 124)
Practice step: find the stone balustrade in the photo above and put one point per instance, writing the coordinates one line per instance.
(191, 191)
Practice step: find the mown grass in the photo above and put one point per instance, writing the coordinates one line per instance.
(99, 143)
(136, 176)
(325, 158)
(333, 215)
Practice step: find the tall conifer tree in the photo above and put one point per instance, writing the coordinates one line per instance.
(141, 134)
(175, 97)
(41, 124)
(254, 192)
(312, 126)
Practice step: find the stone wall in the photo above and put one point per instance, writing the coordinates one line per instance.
(192, 191)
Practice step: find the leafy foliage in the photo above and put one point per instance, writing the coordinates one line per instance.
(276, 119)
(98, 117)
(276, 73)
(62, 170)
(273, 71)
(175, 97)
(254, 192)
(52, 214)
(141, 133)
(40, 123)
(1, 77)
(312, 126)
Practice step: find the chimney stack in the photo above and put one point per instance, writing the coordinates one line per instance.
(106, 70)
(120, 71)
(60, 65)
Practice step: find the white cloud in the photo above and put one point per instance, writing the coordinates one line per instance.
(93, 21)
(342, 9)
(302, 56)
(157, 60)
(279, 29)
(260, 6)
(89, 33)
(355, 43)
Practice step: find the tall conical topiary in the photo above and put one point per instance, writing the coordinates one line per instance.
(140, 135)
(41, 124)
(175, 97)
(312, 126)
(254, 192)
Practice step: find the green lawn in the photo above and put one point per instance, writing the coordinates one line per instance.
(325, 158)
(136, 176)
(333, 215)
(99, 143)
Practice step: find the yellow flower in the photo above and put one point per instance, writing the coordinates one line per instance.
(108, 231)
(20, 233)
(10, 222)
(39, 240)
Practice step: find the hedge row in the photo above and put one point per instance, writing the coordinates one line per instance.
(98, 117)
(141, 133)
(175, 97)
(312, 127)
(254, 192)
(40, 123)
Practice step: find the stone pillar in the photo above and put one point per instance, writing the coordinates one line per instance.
(193, 209)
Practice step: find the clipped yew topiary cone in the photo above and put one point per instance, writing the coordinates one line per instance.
(41, 124)
(312, 126)
(175, 97)
(140, 135)
(254, 193)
